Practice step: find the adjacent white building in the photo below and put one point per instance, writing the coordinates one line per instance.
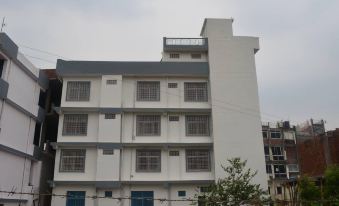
(20, 122)
(158, 129)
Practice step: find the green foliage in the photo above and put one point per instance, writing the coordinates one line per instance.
(331, 186)
(235, 189)
(309, 193)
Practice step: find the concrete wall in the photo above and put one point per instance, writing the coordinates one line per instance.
(184, 57)
(233, 81)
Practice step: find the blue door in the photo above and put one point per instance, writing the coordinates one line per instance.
(142, 198)
(75, 198)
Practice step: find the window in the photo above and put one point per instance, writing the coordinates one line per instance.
(293, 168)
(197, 125)
(264, 134)
(108, 194)
(279, 171)
(195, 92)
(279, 190)
(196, 56)
(111, 81)
(78, 91)
(277, 153)
(142, 198)
(173, 118)
(75, 124)
(148, 91)
(72, 160)
(148, 125)
(197, 160)
(148, 161)
(2, 63)
(173, 153)
(172, 85)
(267, 153)
(109, 116)
(268, 169)
(275, 134)
(107, 151)
(75, 198)
(205, 189)
(181, 193)
(269, 190)
(174, 55)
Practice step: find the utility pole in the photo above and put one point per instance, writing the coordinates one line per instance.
(3, 23)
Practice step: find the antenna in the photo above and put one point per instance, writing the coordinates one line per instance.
(3, 24)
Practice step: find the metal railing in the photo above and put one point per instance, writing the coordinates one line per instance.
(186, 41)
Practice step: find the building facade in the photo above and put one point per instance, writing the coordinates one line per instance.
(158, 130)
(282, 165)
(22, 87)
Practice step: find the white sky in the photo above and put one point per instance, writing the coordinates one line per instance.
(297, 65)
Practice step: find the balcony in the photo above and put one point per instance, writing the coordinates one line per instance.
(185, 44)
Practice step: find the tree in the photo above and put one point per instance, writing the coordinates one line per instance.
(309, 193)
(235, 189)
(331, 186)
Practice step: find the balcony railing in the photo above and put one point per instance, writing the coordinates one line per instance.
(185, 44)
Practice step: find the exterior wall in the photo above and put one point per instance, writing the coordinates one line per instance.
(228, 56)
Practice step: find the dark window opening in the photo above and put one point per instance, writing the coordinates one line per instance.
(2, 63)
(108, 194)
(37, 130)
(42, 99)
(279, 190)
(182, 193)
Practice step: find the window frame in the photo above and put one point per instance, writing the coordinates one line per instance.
(148, 161)
(148, 98)
(197, 134)
(198, 93)
(75, 133)
(187, 156)
(275, 132)
(139, 131)
(77, 91)
(62, 156)
(275, 156)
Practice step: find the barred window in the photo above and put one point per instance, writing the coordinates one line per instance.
(78, 91)
(173, 118)
(148, 161)
(107, 151)
(197, 125)
(279, 171)
(268, 169)
(198, 160)
(275, 134)
(173, 153)
(72, 160)
(174, 55)
(148, 91)
(195, 92)
(75, 124)
(277, 153)
(196, 56)
(111, 81)
(148, 125)
(172, 85)
(109, 116)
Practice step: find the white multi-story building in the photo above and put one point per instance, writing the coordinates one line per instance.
(21, 118)
(158, 130)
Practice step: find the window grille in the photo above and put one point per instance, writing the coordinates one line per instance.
(197, 125)
(277, 153)
(72, 160)
(107, 151)
(182, 193)
(75, 124)
(268, 169)
(108, 193)
(172, 85)
(196, 56)
(109, 116)
(195, 92)
(78, 91)
(111, 81)
(205, 189)
(148, 91)
(174, 55)
(173, 153)
(197, 160)
(148, 125)
(173, 118)
(148, 161)
(275, 134)
(75, 198)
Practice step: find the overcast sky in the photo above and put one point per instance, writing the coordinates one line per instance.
(297, 66)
